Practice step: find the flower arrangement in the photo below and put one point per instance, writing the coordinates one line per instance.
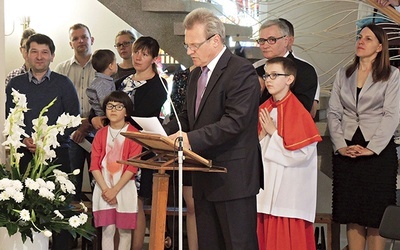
(39, 199)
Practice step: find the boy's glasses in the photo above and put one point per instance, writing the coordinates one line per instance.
(270, 40)
(124, 44)
(117, 107)
(273, 76)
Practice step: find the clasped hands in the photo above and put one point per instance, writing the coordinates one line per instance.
(109, 195)
(267, 124)
(354, 151)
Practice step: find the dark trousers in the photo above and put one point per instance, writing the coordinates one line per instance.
(78, 156)
(227, 224)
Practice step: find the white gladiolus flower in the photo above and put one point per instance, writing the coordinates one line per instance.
(68, 121)
(60, 173)
(63, 120)
(47, 233)
(76, 171)
(45, 193)
(59, 214)
(74, 221)
(24, 215)
(19, 99)
(70, 187)
(62, 198)
(85, 209)
(41, 123)
(23, 199)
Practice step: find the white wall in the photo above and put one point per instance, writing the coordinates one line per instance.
(53, 18)
(2, 78)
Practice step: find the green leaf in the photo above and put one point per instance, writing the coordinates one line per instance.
(50, 169)
(12, 228)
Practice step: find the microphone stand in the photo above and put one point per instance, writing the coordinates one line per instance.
(180, 171)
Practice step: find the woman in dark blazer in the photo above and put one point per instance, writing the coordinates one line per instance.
(362, 117)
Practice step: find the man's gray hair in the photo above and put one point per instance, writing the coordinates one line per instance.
(284, 29)
(213, 25)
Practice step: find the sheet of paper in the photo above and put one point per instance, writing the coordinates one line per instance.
(150, 125)
(86, 145)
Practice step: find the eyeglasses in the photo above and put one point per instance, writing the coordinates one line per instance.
(117, 107)
(196, 46)
(270, 40)
(124, 44)
(273, 76)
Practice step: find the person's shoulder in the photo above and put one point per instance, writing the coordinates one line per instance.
(15, 72)
(240, 59)
(18, 79)
(158, 79)
(393, 69)
(101, 83)
(58, 76)
(301, 62)
(395, 72)
(121, 79)
(103, 131)
(64, 65)
(260, 63)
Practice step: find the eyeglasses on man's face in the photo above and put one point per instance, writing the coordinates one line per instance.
(196, 46)
(117, 107)
(124, 44)
(273, 76)
(270, 40)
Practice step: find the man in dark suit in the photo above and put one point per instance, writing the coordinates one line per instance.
(275, 41)
(222, 128)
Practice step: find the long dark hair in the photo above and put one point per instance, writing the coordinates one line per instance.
(381, 65)
(122, 97)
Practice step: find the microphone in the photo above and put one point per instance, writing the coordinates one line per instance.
(180, 169)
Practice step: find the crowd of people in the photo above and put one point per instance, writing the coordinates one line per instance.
(254, 119)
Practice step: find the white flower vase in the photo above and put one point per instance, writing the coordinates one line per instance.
(40, 242)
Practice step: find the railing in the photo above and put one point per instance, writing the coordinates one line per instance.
(390, 12)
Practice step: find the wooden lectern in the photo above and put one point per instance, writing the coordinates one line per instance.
(165, 158)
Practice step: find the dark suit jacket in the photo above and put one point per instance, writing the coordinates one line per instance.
(305, 85)
(225, 129)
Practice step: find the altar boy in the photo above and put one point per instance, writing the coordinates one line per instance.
(288, 138)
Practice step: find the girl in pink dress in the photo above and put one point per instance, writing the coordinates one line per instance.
(115, 193)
